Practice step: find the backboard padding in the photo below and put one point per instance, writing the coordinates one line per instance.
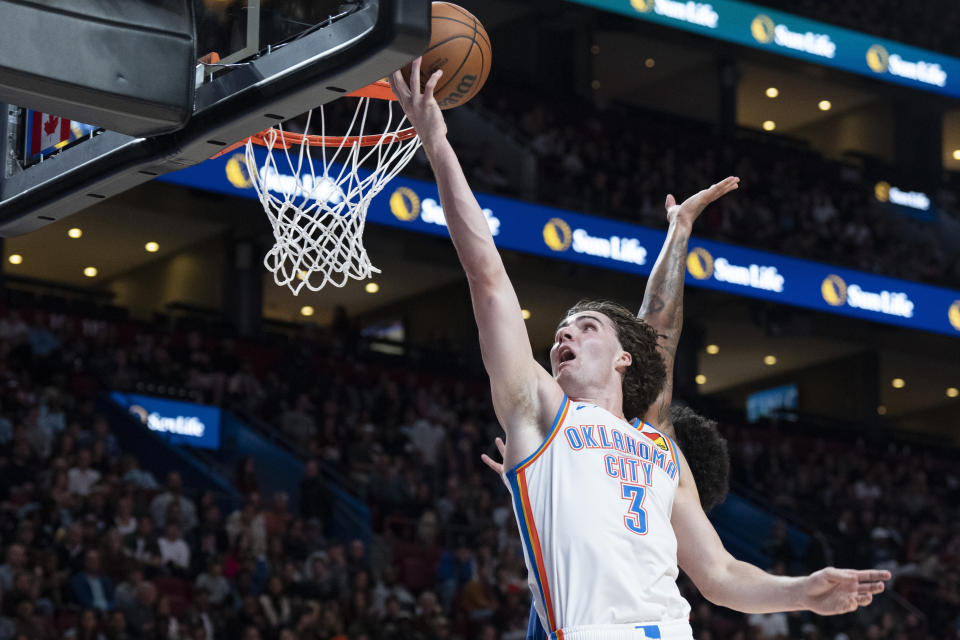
(377, 38)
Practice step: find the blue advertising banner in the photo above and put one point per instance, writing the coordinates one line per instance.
(196, 425)
(785, 34)
(414, 205)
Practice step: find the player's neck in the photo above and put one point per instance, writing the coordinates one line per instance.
(609, 399)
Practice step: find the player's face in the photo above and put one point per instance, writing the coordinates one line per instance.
(585, 349)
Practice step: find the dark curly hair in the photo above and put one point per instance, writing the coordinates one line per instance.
(706, 453)
(647, 374)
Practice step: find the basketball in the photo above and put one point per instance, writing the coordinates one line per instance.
(460, 46)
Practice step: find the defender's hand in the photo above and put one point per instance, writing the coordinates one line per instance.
(832, 591)
(692, 207)
(420, 105)
(497, 467)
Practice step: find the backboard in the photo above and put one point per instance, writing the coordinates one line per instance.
(277, 59)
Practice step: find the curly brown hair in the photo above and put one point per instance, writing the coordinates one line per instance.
(645, 377)
(706, 453)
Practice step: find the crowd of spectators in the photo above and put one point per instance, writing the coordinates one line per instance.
(866, 503)
(619, 161)
(96, 547)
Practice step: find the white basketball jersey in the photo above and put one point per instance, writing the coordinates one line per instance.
(593, 504)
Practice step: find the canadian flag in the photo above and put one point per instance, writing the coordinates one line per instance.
(48, 131)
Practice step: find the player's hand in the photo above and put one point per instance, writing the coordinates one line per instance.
(692, 207)
(832, 591)
(497, 467)
(421, 107)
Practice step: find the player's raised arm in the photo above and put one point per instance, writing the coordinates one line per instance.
(523, 392)
(728, 582)
(662, 306)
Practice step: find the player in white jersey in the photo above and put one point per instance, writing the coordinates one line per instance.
(662, 309)
(607, 507)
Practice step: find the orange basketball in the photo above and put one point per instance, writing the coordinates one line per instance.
(460, 46)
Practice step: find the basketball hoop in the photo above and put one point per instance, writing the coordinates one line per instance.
(318, 206)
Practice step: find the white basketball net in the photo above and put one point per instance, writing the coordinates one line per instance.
(318, 206)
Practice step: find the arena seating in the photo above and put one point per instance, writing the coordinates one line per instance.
(445, 559)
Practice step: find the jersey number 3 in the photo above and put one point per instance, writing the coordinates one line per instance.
(636, 518)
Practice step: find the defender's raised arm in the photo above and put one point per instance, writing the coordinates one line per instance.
(524, 395)
(662, 306)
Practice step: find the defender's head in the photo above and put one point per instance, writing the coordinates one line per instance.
(706, 453)
(600, 343)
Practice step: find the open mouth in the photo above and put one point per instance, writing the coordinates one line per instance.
(566, 355)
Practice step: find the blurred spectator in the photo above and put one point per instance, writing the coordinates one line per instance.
(388, 587)
(123, 519)
(298, 422)
(214, 583)
(91, 589)
(249, 525)
(315, 498)
(139, 615)
(81, 478)
(246, 480)
(174, 496)
(277, 519)
(142, 544)
(16, 562)
(87, 627)
(275, 604)
(125, 593)
(174, 552)
(136, 476)
(117, 628)
(114, 560)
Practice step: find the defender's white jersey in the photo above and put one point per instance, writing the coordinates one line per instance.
(593, 504)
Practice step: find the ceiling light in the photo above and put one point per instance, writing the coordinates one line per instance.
(15, 258)
(898, 383)
(956, 154)
(701, 379)
(772, 92)
(595, 49)
(769, 360)
(953, 392)
(372, 287)
(525, 313)
(649, 63)
(713, 349)
(881, 410)
(90, 272)
(769, 125)
(152, 247)
(306, 310)
(595, 85)
(75, 232)
(825, 105)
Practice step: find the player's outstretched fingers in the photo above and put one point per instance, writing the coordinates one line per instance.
(864, 599)
(399, 87)
(501, 447)
(873, 575)
(870, 587)
(415, 76)
(432, 83)
(670, 202)
(724, 187)
(495, 466)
